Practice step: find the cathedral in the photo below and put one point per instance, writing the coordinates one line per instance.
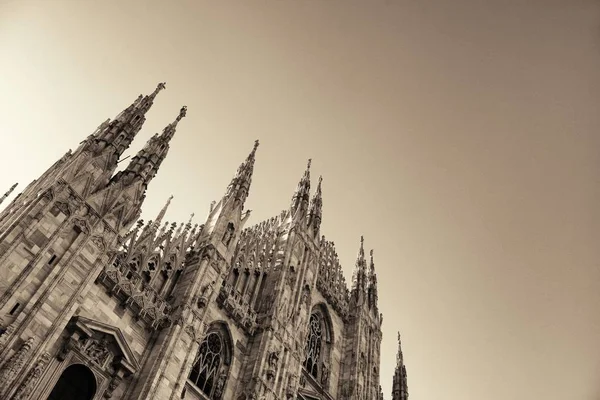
(98, 304)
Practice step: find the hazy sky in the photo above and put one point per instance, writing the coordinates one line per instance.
(461, 138)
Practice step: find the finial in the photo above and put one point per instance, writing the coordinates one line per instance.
(253, 152)
(160, 86)
(362, 240)
(308, 164)
(190, 220)
(320, 180)
(182, 113)
(371, 254)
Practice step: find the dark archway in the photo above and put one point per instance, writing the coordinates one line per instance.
(77, 382)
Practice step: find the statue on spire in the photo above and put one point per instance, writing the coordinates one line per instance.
(182, 113)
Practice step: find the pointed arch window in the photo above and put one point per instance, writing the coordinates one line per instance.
(211, 364)
(318, 346)
(314, 344)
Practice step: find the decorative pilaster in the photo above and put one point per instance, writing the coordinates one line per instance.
(26, 387)
(14, 364)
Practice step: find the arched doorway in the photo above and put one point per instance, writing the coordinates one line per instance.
(77, 382)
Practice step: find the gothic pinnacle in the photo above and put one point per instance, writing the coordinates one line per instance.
(316, 208)
(240, 184)
(361, 251)
(169, 130)
(8, 193)
(159, 87)
(300, 199)
(399, 356)
(162, 213)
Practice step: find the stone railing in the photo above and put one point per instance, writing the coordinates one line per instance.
(238, 307)
(142, 300)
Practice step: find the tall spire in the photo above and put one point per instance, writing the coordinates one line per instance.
(360, 271)
(316, 208)
(240, 184)
(146, 162)
(373, 296)
(8, 193)
(120, 132)
(301, 198)
(400, 380)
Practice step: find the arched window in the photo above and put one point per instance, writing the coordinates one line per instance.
(314, 345)
(211, 365)
(318, 346)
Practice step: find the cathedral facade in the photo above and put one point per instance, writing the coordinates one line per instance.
(97, 304)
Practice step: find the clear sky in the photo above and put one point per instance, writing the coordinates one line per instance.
(461, 138)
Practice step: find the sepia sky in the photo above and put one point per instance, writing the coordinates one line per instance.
(461, 138)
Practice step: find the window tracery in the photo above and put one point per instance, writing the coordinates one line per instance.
(314, 344)
(211, 364)
(318, 348)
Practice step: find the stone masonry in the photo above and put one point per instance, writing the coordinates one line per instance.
(97, 304)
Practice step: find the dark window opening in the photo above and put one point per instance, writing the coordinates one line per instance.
(77, 382)
(52, 259)
(14, 309)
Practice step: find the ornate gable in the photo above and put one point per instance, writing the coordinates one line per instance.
(102, 344)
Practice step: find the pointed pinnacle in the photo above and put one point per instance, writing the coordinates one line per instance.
(182, 113)
(399, 356)
(159, 87)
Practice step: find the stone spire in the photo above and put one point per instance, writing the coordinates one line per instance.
(400, 382)
(301, 197)
(8, 193)
(239, 187)
(120, 132)
(372, 284)
(146, 162)
(360, 271)
(161, 214)
(316, 209)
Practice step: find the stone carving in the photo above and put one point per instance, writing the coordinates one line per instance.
(324, 375)
(32, 378)
(228, 235)
(99, 242)
(291, 389)
(205, 293)
(63, 207)
(191, 331)
(112, 386)
(330, 280)
(209, 252)
(12, 367)
(220, 386)
(6, 335)
(302, 380)
(82, 225)
(97, 351)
